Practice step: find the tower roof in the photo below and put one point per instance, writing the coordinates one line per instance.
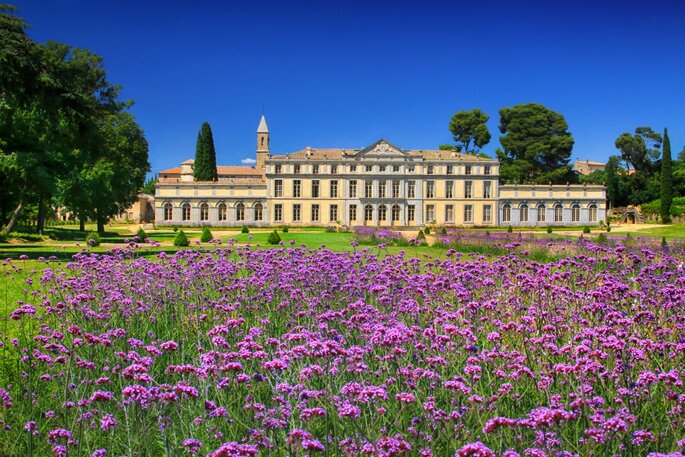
(262, 126)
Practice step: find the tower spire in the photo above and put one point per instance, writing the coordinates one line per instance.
(262, 143)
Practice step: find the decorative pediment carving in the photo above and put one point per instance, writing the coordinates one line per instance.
(382, 148)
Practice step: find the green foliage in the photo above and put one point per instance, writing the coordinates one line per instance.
(442, 231)
(641, 150)
(274, 238)
(204, 168)
(470, 130)
(330, 229)
(601, 238)
(93, 239)
(586, 230)
(536, 146)
(285, 229)
(181, 239)
(175, 229)
(614, 194)
(427, 231)
(663, 241)
(596, 177)
(141, 234)
(244, 229)
(149, 186)
(666, 181)
(549, 229)
(206, 236)
(510, 229)
(421, 236)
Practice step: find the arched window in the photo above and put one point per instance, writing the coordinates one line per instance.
(258, 211)
(395, 213)
(593, 213)
(541, 212)
(558, 213)
(575, 213)
(222, 211)
(506, 213)
(204, 212)
(168, 211)
(524, 213)
(382, 214)
(368, 213)
(186, 211)
(240, 212)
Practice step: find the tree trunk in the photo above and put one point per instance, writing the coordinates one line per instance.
(101, 224)
(41, 216)
(14, 218)
(81, 223)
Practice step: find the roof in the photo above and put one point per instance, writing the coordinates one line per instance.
(238, 170)
(171, 171)
(338, 153)
(262, 126)
(589, 162)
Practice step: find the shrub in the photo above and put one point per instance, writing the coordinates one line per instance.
(421, 236)
(549, 229)
(601, 238)
(586, 229)
(244, 229)
(285, 229)
(206, 235)
(427, 231)
(274, 238)
(93, 239)
(663, 241)
(330, 229)
(181, 239)
(510, 229)
(174, 228)
(442, 231)
(141, 234)
(608, 228)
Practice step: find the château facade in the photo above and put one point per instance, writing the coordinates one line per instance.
(380, 185)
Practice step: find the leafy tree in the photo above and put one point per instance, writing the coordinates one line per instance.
(641, 150)
(205, 155)
(149, 186)
(596, 177)
(536, 145)
(666, 180)
(613, 181)
(470, 130)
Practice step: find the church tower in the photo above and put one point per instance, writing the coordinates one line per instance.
(262, 144)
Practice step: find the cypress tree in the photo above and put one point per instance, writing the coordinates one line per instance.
(666, 180)
(205, 155)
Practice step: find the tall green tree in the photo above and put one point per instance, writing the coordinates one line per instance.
(536, 145)
(205, 155)
(613, 181)
(470, 130)
(641, 150)
(666, 180)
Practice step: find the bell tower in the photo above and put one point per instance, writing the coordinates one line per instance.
(262, 143)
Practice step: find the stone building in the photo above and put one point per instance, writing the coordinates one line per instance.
(379, 185)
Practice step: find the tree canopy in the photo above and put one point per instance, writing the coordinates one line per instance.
(470, 130)
(536, 145)
(205, 155)
(641, 151)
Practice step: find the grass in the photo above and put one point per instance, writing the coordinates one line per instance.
(669, 231)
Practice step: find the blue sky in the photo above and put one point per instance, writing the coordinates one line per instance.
(344, 74)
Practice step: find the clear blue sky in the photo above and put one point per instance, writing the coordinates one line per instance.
(344, 74)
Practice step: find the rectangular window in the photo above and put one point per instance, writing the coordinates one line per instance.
(450, 169)
(353, 189)
(430, 189)
(278, 212)
(315, 213)
(541, 213)
(258, 212)
(395, 168)
(334, 189)
(296, 169)
(506, 213)
(411, 213)
(369, 168)
(315, 188)
(353, 168)
(449, 213)
(395, 189)
(411, 169)
(449, 189)
(297, 213)
(278, 169)
(486, 170)
(575, 213)
(468, 189)
(487, 214)
(278, 188)
(334, 169)
(467, 170)
(468, 213)
(411, 189)
(430, 213)
(297, 188)
(381, 168)
(487, 189)
(430, 170)
(381, 189)
(315, 169)
(368, 189)
(353, 213)
(593, 213)
(333, 213)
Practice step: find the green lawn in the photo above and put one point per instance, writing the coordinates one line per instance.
(670, 231)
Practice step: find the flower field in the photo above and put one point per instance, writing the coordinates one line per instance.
(236, 351)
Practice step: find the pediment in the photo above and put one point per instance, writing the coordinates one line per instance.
(382, 149)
